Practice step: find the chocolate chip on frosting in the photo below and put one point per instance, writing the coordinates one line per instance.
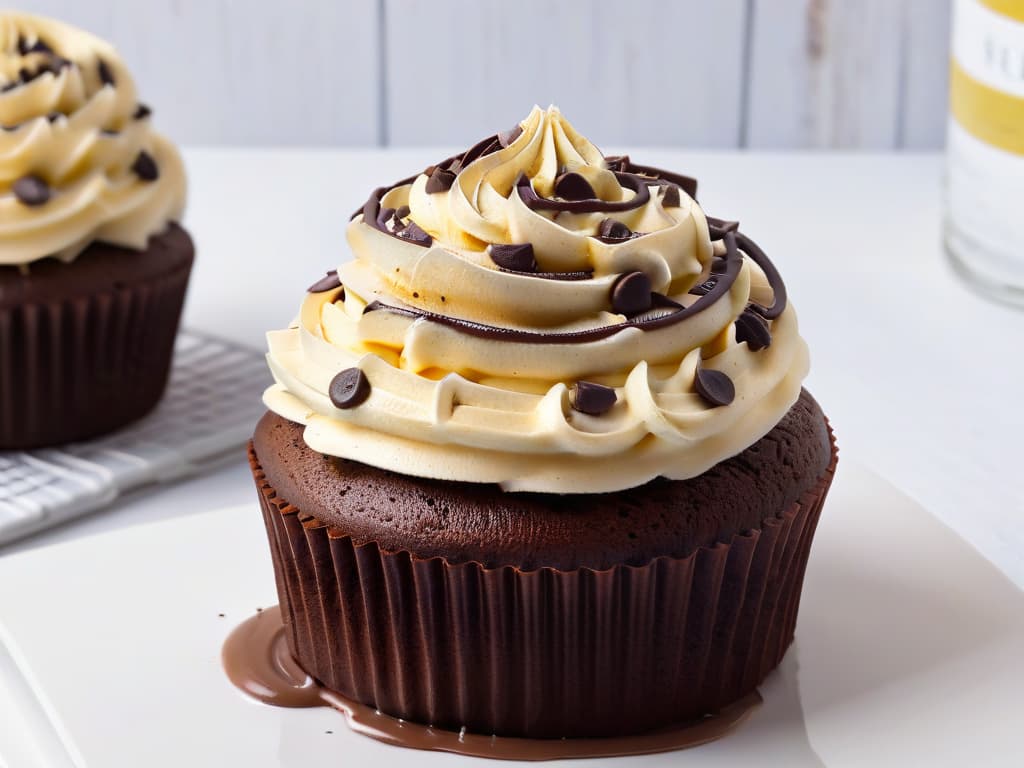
(328, 283)
(507, 137)
(349, 388)
(145, 167)
(631, 294)
(106, 76)
(590, 398)
(37, 47)
(440, 180)
(715, 387)
(414, 234)
(610, 229)
(141, 112)
(572, 186)
(671, 197)
(518, 258)
(31, 190)
(753, 329)
(719, 228)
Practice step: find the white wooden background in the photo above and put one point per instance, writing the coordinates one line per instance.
(701, 73)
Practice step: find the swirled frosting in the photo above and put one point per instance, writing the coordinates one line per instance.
(79, 160)
(534, 314)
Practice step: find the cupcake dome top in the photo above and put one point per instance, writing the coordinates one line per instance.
(79, 160)
(534, 314)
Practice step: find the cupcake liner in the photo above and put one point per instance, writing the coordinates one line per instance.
(73, 368)
(544, 653)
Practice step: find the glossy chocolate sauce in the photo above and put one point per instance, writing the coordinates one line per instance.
(257, 661)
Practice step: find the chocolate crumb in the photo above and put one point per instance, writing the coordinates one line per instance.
(671, 197)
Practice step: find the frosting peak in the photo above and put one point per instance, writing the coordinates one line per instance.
(535, 314)
(78, 158)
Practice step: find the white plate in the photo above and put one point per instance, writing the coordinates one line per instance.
(909, 652)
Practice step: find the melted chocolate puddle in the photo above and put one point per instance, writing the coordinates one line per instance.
(257, 660)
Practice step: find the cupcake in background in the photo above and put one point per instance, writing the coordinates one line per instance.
(93, 263)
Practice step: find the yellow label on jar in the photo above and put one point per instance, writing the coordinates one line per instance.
(987, 73)
(1012, 8)
(990, 115)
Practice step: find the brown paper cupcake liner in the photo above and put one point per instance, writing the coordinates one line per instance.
(73, 368)
(542, 653)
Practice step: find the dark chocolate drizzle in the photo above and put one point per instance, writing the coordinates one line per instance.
(631, 181)
(676, 314)
(778, 287)
(639, 178)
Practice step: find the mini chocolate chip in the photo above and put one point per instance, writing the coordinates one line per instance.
(106, 76)
(413, 233)
(31, 190)
(22, 45)
(54, 116)
(518, 258)
(440, 180)
(591, 398)
(39, 47)
(349, 388)
(328, 283)
(401, 213)
(145, 167)
(631, 293)
(572, 186)
(141, 112)
(714, 386)
(718, 228)
(671, 197)
(507, 137)
(753, 329)
(614, 230)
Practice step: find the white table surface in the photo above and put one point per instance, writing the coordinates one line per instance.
(923, 381)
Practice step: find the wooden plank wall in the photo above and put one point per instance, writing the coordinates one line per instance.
(866, 74)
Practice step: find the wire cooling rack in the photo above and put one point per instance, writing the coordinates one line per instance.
(209, 410)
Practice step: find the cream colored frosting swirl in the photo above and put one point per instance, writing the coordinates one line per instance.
(70, 122)
(474, 370)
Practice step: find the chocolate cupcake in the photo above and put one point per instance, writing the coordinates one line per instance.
(93, 264)
(538, 462)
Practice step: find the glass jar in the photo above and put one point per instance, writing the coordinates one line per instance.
(984, 206)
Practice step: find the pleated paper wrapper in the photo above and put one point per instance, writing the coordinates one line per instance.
(543, 653)
(75, 368)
